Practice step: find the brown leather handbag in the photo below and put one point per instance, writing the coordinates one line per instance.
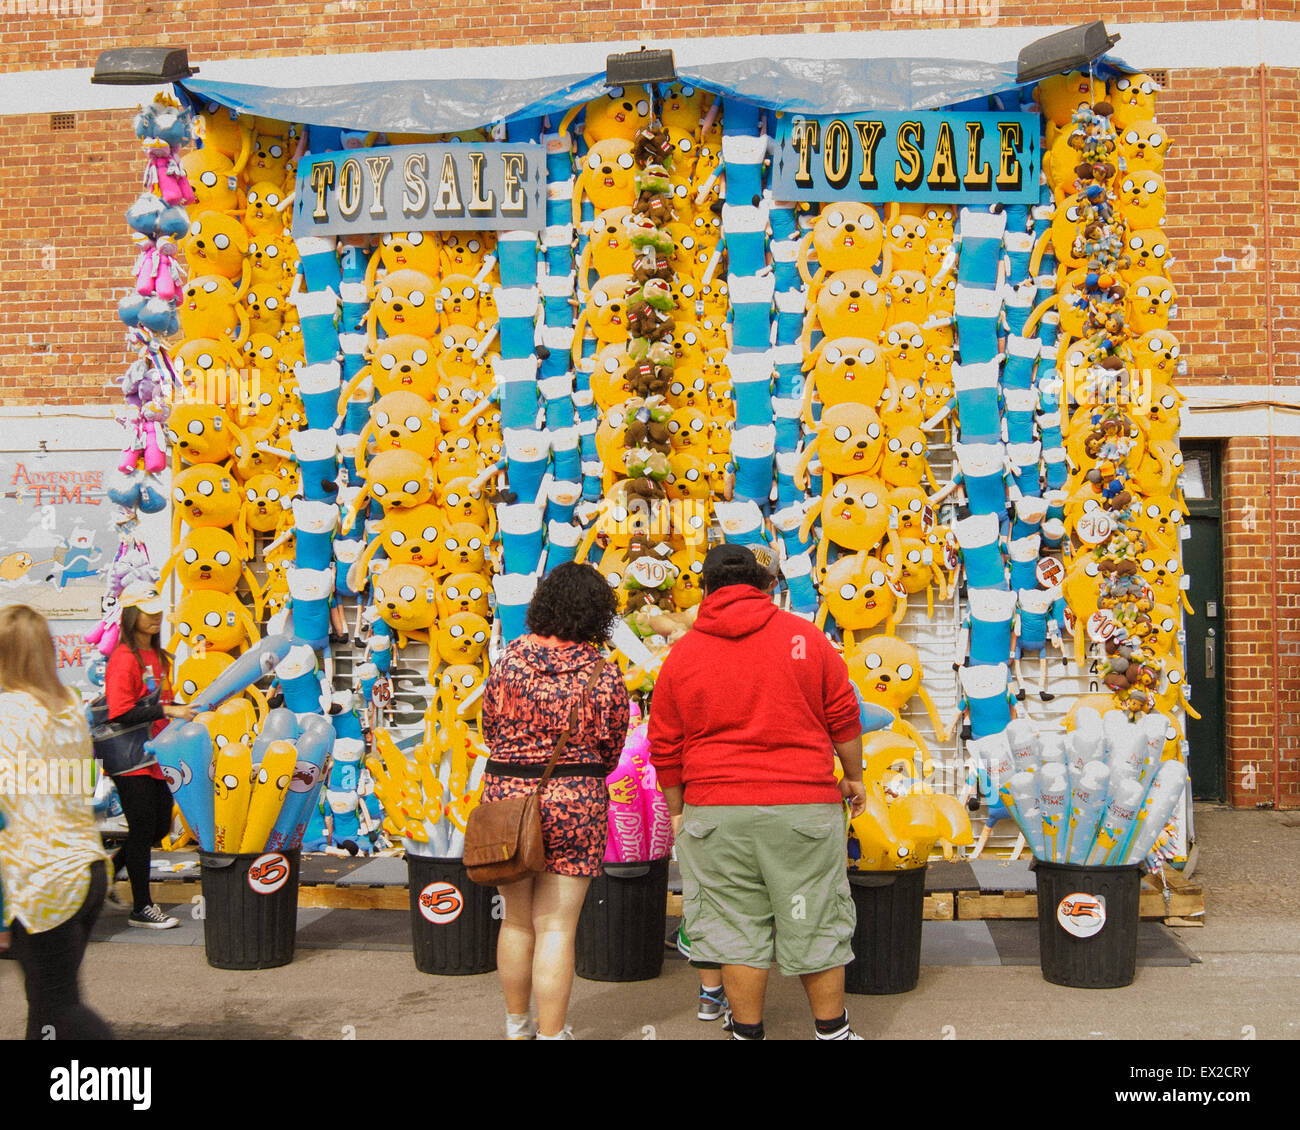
(503, 838)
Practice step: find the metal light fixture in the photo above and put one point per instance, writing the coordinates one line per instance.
(633, 67)
(142, 66)
(1072, 49)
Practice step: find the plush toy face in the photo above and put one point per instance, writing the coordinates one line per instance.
(1155, 352)
(269, 160)
(400, 479)
(405, 597)
(410, 250)
(606, 310)
(208, 308)
(456, 683)
(404, 362)
(463, 592)
(855, 512)
(1150, 299)
(688, 428)
(462, 638)
(1143, 145)
(464, 253)
(200, 432)
(271, 259)
(907, 239)
(611, 244)
(1065, 227)
(458, 457)
(851, 304)
(205, 495)
(209, 369)
(849, 439)
(463, 549)
(216, 245)
(265, 503)
(263, 215)
(886, 671)
(1140, 199)
(683, 106)
(916, 574)
(403, 304)
(904, 464)
(902, 405)
(688, 477)
(1148, 251)
(1133, 98)
(208, 559)
(908, 507)
(1059, 96)
(610, 377)
(608, 176)
(850, 369)
(211, 621)
(198, 672)
(848, 236)
(458, 297)
(410, 537)
(405, 420)
(936, 393)
(1162, 416)
(857, 593)
(688, 388)
(619, 113)
(211, 174)
(265, 305)
(904, 350)
(462, 506)
(1164, 575)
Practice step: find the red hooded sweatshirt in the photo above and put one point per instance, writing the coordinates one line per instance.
(747, 704)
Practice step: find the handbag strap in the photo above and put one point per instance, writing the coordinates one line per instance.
(563, 739)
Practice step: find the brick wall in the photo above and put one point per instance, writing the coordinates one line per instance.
(65, 256)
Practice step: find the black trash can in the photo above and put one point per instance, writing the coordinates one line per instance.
(887, 939)
(1088, 924)
(453, 925)
(250, 908)
(623, 922)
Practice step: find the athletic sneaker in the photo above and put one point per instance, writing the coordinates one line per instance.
(520, 1028)
(712, 1006)
(152, 918)
(727, 1026)
(565, 1033)
(845, 1033)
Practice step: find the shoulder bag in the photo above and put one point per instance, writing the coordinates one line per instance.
(503, 838)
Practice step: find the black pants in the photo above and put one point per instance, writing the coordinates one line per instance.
(50, 964)
(147, 806)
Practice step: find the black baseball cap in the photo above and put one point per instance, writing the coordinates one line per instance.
(736, 561)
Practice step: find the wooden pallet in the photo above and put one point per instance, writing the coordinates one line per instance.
(1184, 907)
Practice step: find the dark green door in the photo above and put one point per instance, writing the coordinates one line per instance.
(1205, 626)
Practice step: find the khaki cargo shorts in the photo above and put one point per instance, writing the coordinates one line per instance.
(764, 883)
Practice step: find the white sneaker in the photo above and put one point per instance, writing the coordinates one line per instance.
(520, 1027)
(152, 918)
(565, 1033)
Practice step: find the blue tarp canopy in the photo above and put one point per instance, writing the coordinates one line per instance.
(809, 86)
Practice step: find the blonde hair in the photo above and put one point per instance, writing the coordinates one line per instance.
(27, 660)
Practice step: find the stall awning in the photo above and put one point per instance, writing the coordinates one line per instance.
(810, 86)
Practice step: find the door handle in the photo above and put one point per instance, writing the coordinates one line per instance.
(1209, 654)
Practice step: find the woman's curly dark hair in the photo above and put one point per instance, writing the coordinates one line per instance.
(573, 602)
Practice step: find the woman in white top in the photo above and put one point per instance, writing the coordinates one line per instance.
(52, 863)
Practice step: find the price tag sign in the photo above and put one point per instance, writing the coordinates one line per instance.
(1050, 572)
(1094, 527)
(268, 873)
(951, 552)
(381, 693)
(441, 903)
(1102, 625)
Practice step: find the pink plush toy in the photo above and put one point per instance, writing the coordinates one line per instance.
(165, 173)
(158, 273)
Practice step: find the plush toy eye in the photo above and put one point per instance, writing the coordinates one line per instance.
(918, 448)
(1136, 243)
(920, 286)
(416, 298)
(211, 286)
(397, 538)
(407, 592)
(272, 199)
(1144, 292)
(212, 620)
(272, 495)
(870, 287)
(1155, 141)
(839, 490)
(917, 341)
(1152, 186)
(1148, 565)
(877, 578)
(379, 490)
(870, 501)
(625, 161)
(386, 294)
(914, 556)
(1127, 186)
(207, 488)
(1072, 214)
(1131, 137)
(832, 354)
(1175, 676)
(1158, 250)
(836, 287)
(253, 198)
(643, 107)
(834, 219)
(271, 302)
(692, 475)
(183, 628)
(1166, 295)
(848, 592)
(208, 179)
(381, 418)
(895, 445)
(842, 433)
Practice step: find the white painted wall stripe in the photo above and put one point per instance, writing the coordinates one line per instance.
(1194, 45)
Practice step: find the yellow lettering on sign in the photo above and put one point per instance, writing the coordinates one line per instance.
(869, 137)
(478, 203)
(943, 167)
(515, 203)
(909, 168)
(806, 136)
(1010, 172)
(350, 189)
(415, 175)
(322, 179)
(448, 197)
(837, 163)
(379, 167)
(976, 178)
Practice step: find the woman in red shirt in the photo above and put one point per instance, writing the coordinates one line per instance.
(135, 670)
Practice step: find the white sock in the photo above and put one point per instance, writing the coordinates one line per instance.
(520, 1025)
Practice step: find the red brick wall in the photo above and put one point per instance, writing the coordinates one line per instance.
(65, 256)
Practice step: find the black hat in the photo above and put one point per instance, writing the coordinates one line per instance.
(727, 557)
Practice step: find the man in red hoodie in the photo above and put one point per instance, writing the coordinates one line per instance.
(748, 707)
